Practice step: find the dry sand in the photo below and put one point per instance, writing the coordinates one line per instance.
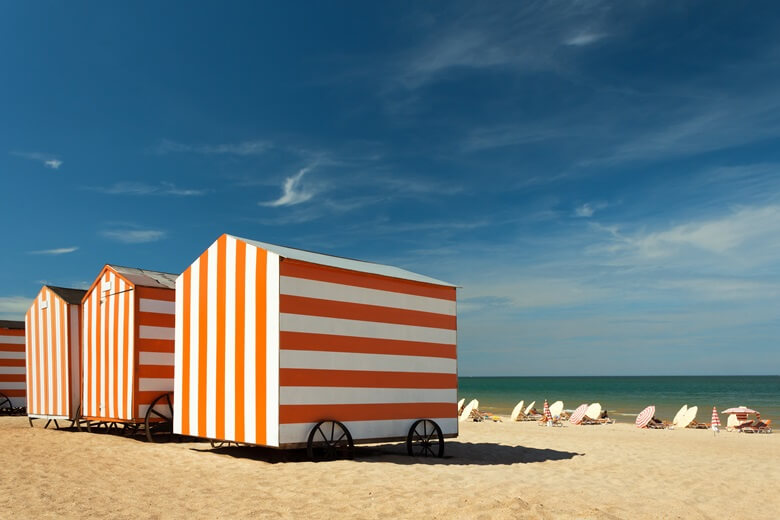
(493, 470)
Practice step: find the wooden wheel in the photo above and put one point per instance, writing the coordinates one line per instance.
(329, 440)
(5, 403)
(159, 424)
(425, 439)
(223, 444)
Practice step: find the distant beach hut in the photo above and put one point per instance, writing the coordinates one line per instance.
(645, 416)
(283, 348)
(53, 351)
(128, 344)
(13, 394)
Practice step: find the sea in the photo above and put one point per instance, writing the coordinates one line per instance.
(624, 397)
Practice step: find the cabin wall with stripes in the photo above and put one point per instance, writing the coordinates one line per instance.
(52, 351)
(227, 351)
(13, 372)
(373, 352)
(156, 311)
(108, 348)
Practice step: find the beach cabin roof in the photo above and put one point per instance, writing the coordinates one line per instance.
(343, 263)
(9, 324)
(146, 278)
(72, 296)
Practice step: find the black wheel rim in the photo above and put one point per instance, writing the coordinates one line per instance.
(329, 440)
(425, 439)
(159, 424)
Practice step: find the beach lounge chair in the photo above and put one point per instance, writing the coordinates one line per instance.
(467, 411)
(556, 410)
(530, 413)
(517, 412)
(756, 426)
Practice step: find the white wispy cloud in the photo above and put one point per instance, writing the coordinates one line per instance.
(141, 188)
(243, 148)
(56, 251)
(583, 39)
(48, 160)
(14, 307)
(293, 191)
(588, 209)
(134, 236)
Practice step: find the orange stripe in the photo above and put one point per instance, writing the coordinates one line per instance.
(202, 343)
(65, 382)
(14, 393)
(155, 345)
(126, 361)
(302, 413)
(260, 346)
(9, 347)
(156, 293)
(155, 319)
(45, 372)
(332, 343)
(299, 269)
(11, 362)
(11, 332)
(220, 357)
(365, 378)
(116, 390)
(86, 342)
(146, 397)
(165, 371)
(240, 324)
(185, 357)
(107, 339)
(12, 378)
(358, 311)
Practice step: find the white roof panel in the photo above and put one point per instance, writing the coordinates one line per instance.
(343, 263)
(145, 278)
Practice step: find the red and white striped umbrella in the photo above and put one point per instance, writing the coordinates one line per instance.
(644, 416)
(547, 413)
(579, 413)
(739, 410)
(715, 419)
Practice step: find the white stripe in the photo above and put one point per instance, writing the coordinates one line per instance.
(57, 381)
(12, 340)
(93, 330)
(178, 351)
(230, 339)
(12, 370)
(103, 311)
(18, 401)
(161, 408)
(124, 410)
(211, 352)
(348, 395)
(193, 346)
(111, 301)
(28, 348)
(11, 355)
(364, 329)
(158, 358)
(130, 348)
(155, 383)
(250, 345)
(158, 306)
(272, 350)
(299, 432)
(351, 294)
(354, 361)
(152, 332)
(74, 392)
(14, 385)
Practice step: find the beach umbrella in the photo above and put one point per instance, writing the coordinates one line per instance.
(739, 410)
(644, 416)
(547, 413)
(579, 414)
(715, 423)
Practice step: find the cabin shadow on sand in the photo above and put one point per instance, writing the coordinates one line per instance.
(455, 453)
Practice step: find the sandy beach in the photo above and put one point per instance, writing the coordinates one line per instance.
(492, 470)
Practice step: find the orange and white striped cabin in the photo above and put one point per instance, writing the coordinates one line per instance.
(53, 353)
(12, 364)
(271, 340)
(127, 343)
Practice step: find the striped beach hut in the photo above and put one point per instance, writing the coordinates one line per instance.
(13, 395)
(287, 348)
(127, 362)
(54, 354)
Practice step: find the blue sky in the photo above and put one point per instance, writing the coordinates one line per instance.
(602, 179)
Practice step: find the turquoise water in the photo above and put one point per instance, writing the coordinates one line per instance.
(626, 396)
